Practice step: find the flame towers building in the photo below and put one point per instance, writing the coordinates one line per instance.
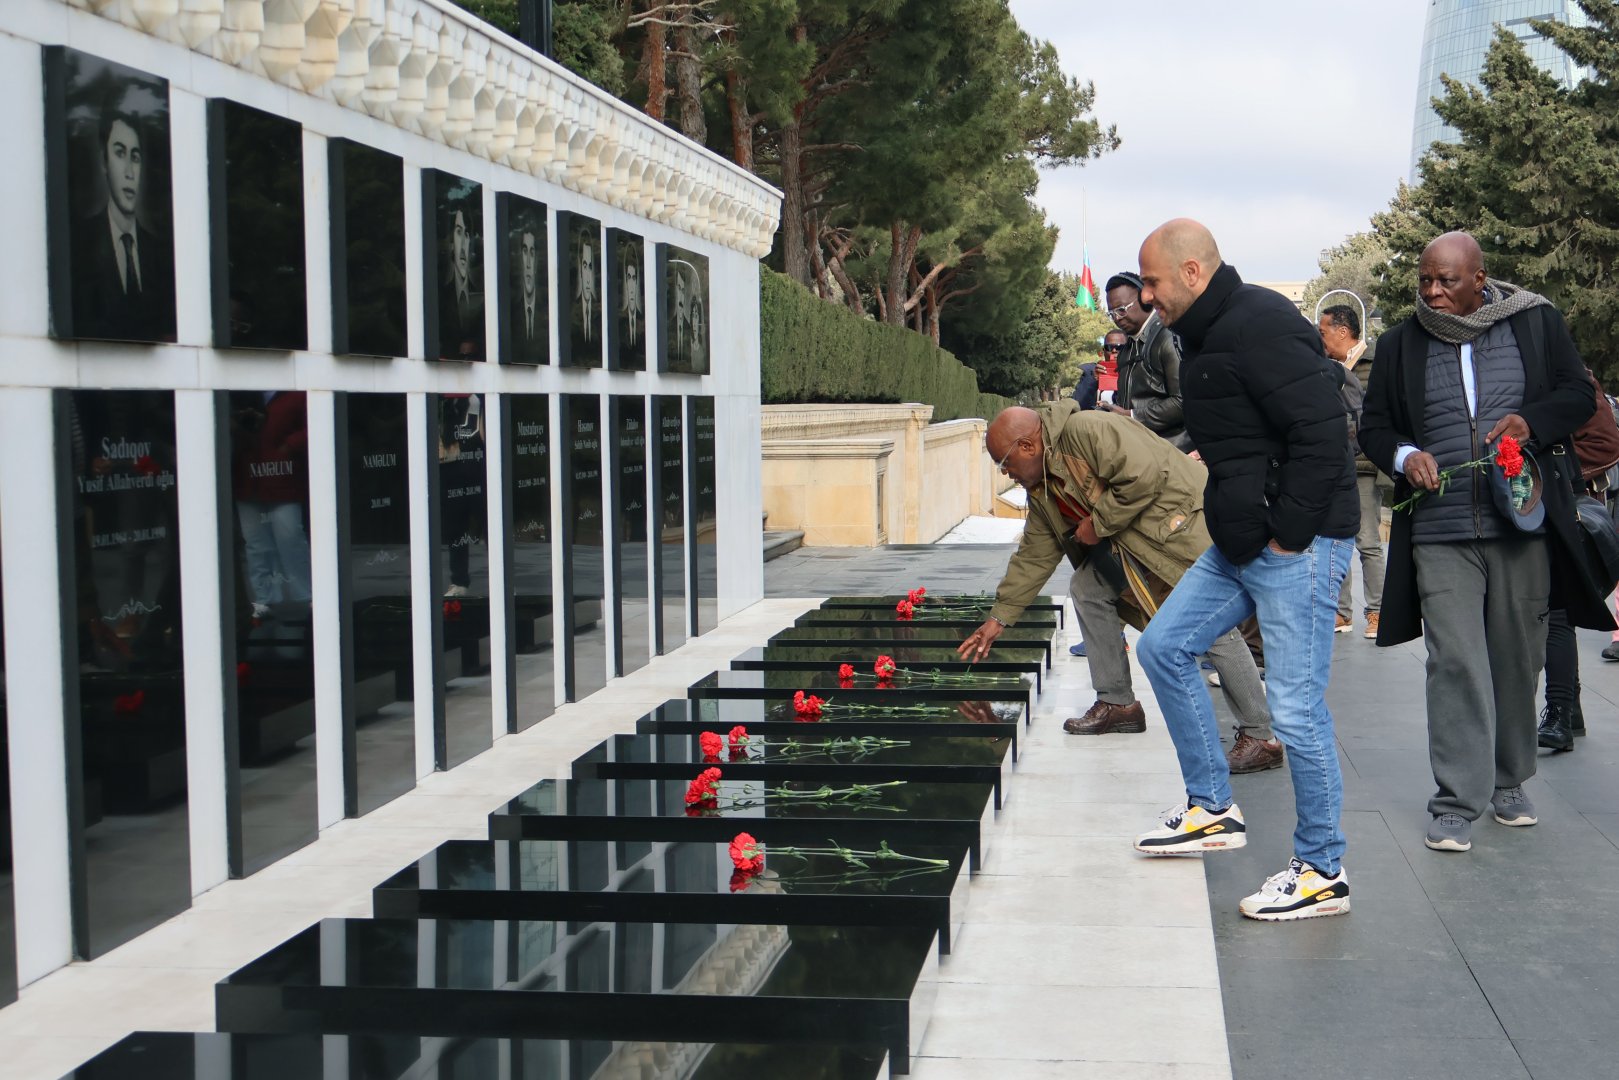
(1455, 39)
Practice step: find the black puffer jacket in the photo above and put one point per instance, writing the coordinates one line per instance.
(1262, 407)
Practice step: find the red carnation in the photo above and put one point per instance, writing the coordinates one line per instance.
(808, 707)
(1509, 455)
(147, 465)
(845, 671)
(129, 704)
(711, 744)
(885, 667)
(916, 595)
(452, 610)
(703, 790)
(741, 879)
(746, 853)
(738, 738)
(905, 609)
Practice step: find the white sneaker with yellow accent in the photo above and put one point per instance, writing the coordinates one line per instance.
(1188, 830)
(1299, 892)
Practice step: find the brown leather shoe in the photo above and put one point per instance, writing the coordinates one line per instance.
(1104, 718)
(1249, 754)
(1371, 626)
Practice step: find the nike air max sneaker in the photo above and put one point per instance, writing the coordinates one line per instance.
(1188, 830)
(1299, 892)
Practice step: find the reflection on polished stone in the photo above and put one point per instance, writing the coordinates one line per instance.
(831, 757)
(880, 639)
(213, 1056)
(1053, 604)
(528, 553)
(886, 617)
(905, 815)
(584, 533)
(631, 550)
(967, 720)
(906, 690)
(942, 657)
(462, 665)
(670, 611)
(588, 980)
(539, 880)
(703, 485)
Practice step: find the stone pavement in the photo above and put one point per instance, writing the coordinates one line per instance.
(1497, 964)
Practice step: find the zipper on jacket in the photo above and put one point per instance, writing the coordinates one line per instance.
(1472, 438)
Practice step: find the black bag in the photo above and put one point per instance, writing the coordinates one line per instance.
(1601, 539)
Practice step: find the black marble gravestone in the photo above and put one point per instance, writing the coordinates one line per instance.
(702, 483)
(579, 290)
(968, 719)
(271, 758)
(459, 532)
(523, 279)
(367, 212)
(963, 622)
(1014, 641)
(531, 673)
(452, 266)
(943, 658)
(126, 748)
(678, 982)
(904, 815)
(583, 551)
(374, 553)
(632, 551)
(670, 564)
(544, 879)
(909, 687)
(979, 603)
(172, 1055)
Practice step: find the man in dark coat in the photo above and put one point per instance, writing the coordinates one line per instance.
(1262, 408)
(1481, 359)
(1150, 369)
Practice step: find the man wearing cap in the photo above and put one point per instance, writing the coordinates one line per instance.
(1150, 372)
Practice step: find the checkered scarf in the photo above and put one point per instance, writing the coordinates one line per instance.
(1501, 301)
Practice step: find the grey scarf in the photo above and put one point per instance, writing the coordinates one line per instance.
(1501, 301)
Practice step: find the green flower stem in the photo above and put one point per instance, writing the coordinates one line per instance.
(854, 856)
(1445, 476)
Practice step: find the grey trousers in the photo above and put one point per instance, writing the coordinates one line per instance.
(1369, 542)
(1484, 608)
(1095, 601)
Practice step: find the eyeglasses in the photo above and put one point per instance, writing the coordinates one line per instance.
(1000, 466)
(1112, 348)
(1117, 313)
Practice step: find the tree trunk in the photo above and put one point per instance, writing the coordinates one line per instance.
(935, 310)
(689, 84)
(653, 59)
(901, 254)
(736, 103)
(795, 256)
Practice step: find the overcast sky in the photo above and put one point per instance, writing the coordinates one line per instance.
(1282, 125)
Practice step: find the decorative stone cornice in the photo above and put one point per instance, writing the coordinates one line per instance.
(431, 68)
(836, 421)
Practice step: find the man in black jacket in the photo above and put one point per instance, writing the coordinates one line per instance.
(1481, 360)
(1262, 408)
(1150, 371)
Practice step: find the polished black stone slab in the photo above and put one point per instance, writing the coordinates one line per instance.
(826, 684)
(808, 754)
(1012, 642)
(970, 719)
(911, 815)
(888, 617)
(596, 981)
(911, 657)
(981, 601)
(168, 1055)
(599, 880)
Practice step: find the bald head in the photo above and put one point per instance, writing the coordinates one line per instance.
(1178, 259)
(1450, 275)
(1014, 440)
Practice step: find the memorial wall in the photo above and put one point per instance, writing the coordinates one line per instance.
(367, 382)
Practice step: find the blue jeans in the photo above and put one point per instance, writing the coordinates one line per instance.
(1296, 598)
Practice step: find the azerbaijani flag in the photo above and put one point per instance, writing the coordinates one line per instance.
(1087, 298)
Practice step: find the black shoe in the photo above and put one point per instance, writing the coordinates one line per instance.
(1554, 734)
(1576, 718)
(1611, 651)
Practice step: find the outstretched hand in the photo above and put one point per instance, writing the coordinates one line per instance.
(976, 647)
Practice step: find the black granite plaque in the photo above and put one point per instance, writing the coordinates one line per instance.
(256, 222)
(703, 483)
(528, 468)
(379, 737)
(967, 720)
(216, 1056)
(626, 301)
(461, 579)
(670, 617)
(452, 266)
(583, 550)
(497, 879)
(368, 250)
(524, 279)
(914, 658)
(632, 551)
(977, 603)
(672, 982)
(683, 311)
(880, 639)
(108, 200)
(273, 755)
(911, 688)
(127, 750)
(579, 290)
(928, 615)
(909, 814)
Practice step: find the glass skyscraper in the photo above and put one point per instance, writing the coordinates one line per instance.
(1456, 37)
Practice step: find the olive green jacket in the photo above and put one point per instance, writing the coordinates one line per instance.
(1141, 492)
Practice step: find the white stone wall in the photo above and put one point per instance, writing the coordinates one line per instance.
(417, 78)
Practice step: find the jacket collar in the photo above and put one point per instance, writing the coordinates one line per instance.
(1053, 418)
(1194, 326)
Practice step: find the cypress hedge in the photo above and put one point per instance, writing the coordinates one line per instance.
(813, 351)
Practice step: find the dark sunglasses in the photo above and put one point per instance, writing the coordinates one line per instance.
(1112, 348)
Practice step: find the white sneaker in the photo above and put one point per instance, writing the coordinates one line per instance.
(1188, 830)
(1299, 892)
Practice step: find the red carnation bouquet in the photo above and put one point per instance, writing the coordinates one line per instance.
(1507, 453)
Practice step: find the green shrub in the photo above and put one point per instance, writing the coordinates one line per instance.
(813, 351)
